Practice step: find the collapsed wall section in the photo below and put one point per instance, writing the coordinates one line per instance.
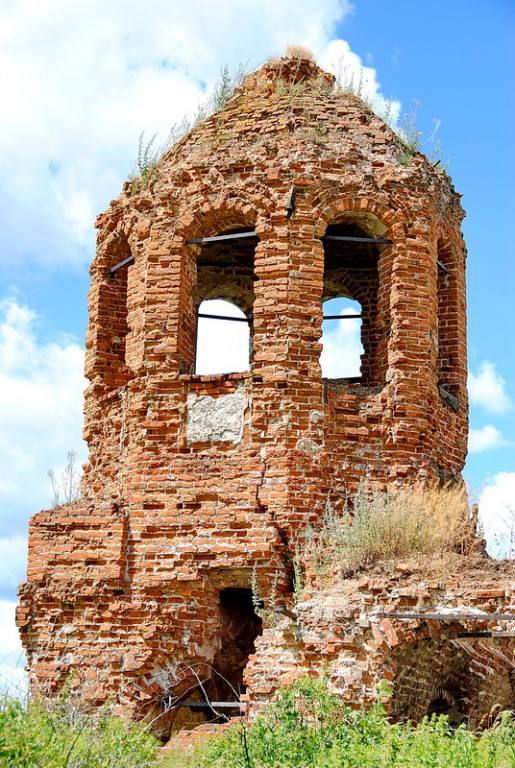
(439, 647)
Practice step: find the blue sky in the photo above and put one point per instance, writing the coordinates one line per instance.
(81, 80)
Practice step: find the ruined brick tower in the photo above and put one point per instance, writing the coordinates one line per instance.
(291, 195)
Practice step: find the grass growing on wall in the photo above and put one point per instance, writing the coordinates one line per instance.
(386, 525)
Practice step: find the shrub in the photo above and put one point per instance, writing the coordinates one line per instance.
(56, 734)
(66, 486)
(298, 52)
(309, 727)
(390, 525)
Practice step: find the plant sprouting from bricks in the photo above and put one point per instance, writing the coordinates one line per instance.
(66, 484)
(264, 607)
(384, 525)
(150, 154)
(147, 160)
(409, 134)
(223, 89)
(298, 583)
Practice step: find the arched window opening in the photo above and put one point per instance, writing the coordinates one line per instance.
(341, 339)
(112, 309)
(223, 338)
(447, 336)
(225, 289)
(446, 676)
(353, 348)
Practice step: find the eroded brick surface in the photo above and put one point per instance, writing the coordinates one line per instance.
(194, 482)
(364, 632)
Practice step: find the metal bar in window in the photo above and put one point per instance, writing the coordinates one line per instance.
(442, 266)
(486, 633)
(121, 264)
(341, 317)
(359, 239)
(219, 238)
(208, 704)
(245, 320)
(449, 616)
(224, 317)
(290, 208)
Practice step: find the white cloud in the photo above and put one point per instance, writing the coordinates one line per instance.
(497, 514)
(40, 414)
(352, 73)
(485, 439)
(12, 659)
(13, 559)
(487, 390)
(82, 80)
(10, 644)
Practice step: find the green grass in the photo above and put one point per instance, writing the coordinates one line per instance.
(306, 727)
(58, 734)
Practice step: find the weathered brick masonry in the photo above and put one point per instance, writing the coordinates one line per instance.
(195, 482)
(444, 647)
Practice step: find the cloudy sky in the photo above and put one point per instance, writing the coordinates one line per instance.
(79, 83)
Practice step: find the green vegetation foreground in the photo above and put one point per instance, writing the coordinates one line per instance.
(307, 727)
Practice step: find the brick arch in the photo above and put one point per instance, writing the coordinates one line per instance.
(424, 663)
(222, 210)
(355, 291)
(443, 238)
(373, 280)
(111, 248)
(392, 215)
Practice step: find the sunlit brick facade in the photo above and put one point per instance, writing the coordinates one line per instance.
(195, 483)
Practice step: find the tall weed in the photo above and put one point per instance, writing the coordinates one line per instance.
(308, 726)
(391, 525)
(55, 734)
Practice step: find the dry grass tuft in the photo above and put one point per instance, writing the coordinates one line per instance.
(298, 52)
(391, 526)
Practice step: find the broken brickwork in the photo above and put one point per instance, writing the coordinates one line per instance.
(195, 483)
(442, 646)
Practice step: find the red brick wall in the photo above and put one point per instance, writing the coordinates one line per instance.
(201, 513)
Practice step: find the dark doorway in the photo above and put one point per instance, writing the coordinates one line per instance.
(240, 626)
